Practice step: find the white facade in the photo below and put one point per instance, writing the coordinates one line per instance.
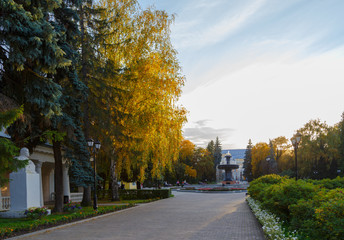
(33, 186)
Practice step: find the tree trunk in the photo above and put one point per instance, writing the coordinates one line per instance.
(86, 197)
(58, 176)
(114, 184)
(138, 185)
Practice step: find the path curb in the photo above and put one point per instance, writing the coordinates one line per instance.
(78, 222)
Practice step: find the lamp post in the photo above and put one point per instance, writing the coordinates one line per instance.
(268, 160)
(295, 140)
(94, 146)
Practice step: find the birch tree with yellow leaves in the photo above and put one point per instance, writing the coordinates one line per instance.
(137, 90)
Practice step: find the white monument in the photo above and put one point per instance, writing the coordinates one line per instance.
(24, 188)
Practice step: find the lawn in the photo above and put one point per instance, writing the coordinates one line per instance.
(12, 227)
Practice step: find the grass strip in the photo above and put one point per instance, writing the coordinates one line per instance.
(10, 227)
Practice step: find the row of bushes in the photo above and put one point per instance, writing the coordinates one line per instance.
(315, 208)
(135, 194)
(144, 194)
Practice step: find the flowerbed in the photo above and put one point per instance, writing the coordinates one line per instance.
(36, 212)
(272, 226)
(13, 227)
(309, 207)
(72, 207)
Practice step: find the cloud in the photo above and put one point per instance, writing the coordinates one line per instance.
(212, 33)
(203, 122)
(201, 134)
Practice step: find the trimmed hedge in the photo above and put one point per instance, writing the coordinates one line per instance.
(144, 194)
(315, 208)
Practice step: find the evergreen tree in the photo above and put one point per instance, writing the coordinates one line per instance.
(248, 162)
(74, 94)
(29, 55)
(217, 152)
(92, 71)
(211, 147)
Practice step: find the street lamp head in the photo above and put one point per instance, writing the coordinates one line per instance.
(90, 142)
(298, 137)
(293, 140)
(267, 159)
(97, 144)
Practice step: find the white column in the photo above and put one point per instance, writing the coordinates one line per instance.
(38, 166)
(66, 190)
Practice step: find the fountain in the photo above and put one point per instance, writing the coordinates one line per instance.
(228, 167)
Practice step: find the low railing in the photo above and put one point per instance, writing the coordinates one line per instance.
(5, 203)
(76, 197)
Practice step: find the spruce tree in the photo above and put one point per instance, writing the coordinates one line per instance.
(91, 69)
(29, 56)
(217, 151)
(247, 162)
(211, 147)
(39, 56)
(74, 94)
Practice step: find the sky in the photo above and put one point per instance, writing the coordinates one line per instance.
(257, 69)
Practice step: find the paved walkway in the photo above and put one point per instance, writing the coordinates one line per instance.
(186, 216)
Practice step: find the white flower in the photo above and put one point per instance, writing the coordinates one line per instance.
(271, 225)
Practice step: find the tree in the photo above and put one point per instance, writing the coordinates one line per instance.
(204, 165)
(318, 148)
(211, 147)
(32, 57)
(142, 83)
(281, 147)
(68, 122)
(217, 151)
(271, 162)
(248, 162)
(260, 152)
(29, 56)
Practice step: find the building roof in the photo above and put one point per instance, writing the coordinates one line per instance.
(236, 153)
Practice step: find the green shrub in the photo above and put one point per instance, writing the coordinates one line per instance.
(258, 186)
(315, 208)
(330, 215)
(269, 179)
(144, 194)
(302, 218)
(278, 197)
(338, 182)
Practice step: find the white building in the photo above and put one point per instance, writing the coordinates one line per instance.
(43, 159)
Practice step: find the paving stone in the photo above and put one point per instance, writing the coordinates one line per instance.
(191, 216)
